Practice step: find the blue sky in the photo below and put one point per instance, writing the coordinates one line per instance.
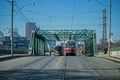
(61, 14)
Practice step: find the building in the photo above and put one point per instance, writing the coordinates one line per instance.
(15, 32)
(29, 27)
(18, 42)
(1, 34)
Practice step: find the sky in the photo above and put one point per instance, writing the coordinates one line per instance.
(60, 14)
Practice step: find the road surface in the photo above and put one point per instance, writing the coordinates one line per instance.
(59, 68)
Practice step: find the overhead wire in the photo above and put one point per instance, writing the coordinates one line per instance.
(45, 12)
(74, 4)
(8, 1)
(20, 17)
(59, 12)
(23, 17)
(20, 13)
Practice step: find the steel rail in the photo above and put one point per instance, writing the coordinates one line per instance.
(43, 66)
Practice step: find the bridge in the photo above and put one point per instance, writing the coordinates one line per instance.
(38, 38)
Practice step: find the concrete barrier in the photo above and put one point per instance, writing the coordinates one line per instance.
(115, 54)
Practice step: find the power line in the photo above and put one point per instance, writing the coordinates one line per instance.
(20, 17)
(8, 1)
(74, 4)
(20, 13)
(43, 8)
(36, 12)
(45, 12)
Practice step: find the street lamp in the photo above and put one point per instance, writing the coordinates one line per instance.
(12, 14)
(109, 19)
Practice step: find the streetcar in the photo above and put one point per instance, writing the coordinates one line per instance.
(70, 48)
(58, 51)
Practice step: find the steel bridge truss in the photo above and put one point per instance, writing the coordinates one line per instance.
(38, 37)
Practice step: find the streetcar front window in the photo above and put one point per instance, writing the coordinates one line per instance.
(70, 45)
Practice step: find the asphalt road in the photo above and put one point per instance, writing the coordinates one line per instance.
(59, 68)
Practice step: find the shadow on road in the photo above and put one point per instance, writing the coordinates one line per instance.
(55, 74)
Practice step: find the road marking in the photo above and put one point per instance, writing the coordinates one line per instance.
(58, 62)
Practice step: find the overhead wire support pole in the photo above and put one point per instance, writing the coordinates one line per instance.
(12, 13)
(109, 24)
(109, 28)
(104, 38)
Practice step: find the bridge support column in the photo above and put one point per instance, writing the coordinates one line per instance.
(94, 44)
(42, 47)
(38, 45)
(91, 45)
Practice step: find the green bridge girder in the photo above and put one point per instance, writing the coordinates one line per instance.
(37, 44)
(38, 37)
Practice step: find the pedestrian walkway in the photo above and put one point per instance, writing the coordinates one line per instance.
(8, 56)
(115, 54)
(113, 57)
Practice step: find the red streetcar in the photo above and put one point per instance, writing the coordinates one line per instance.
(70, 48)
(58, 50)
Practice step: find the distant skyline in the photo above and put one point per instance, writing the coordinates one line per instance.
(60, 14)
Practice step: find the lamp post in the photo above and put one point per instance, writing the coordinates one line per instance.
(109, 23)
(12, 14)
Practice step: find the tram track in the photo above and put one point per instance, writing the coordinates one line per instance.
(20, 63)
(30, 63)
(105, 69)
(64, 70)
(43, 66)
(21, 68)
(90, 64)
(59, 68)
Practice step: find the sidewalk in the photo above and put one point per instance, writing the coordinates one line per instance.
(113, 58)
(6, 57)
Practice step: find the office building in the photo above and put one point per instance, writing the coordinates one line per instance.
(29, 27)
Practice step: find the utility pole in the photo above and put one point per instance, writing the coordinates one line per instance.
(109, 23)
(104, 37)
(109, 28)
(12, 13)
